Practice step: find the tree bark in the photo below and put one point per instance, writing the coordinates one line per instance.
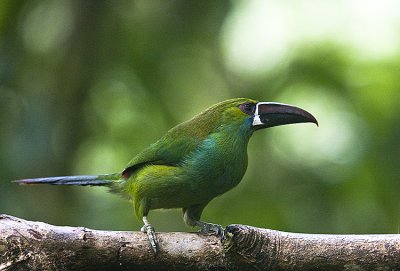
(26, 245)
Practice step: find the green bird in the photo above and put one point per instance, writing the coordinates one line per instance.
(192, 163)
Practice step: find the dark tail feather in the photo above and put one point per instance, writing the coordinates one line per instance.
(74, 180)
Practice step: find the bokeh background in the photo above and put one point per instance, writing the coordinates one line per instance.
(85, 85)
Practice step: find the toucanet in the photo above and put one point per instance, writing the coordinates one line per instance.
(192, 163)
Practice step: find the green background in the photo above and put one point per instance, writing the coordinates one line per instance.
(85, 85)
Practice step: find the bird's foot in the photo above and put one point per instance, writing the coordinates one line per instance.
(151, 235)
(216, 229)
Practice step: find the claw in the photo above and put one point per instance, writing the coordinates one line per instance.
(213, 229)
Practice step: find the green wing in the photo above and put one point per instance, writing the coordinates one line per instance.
(173, 147)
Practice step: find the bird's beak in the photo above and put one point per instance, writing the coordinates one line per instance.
(275, 114)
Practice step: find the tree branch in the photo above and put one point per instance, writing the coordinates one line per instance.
(26, 245)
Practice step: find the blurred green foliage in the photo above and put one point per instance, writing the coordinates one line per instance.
(85, 85)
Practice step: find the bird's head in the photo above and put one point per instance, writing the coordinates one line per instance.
(257, 115)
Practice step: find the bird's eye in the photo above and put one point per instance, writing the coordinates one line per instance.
(248, 108)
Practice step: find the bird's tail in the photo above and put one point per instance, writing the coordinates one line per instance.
(101, 180)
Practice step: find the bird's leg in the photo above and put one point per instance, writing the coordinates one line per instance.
(191, 216)
(147, 228)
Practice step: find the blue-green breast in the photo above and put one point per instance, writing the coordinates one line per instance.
(221, 161)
